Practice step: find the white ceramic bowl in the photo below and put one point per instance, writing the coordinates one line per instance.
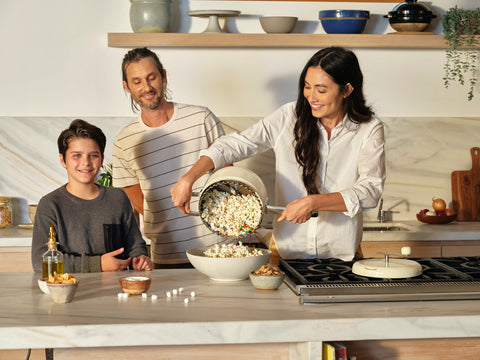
(278, 24)
(266, 282)
(227, 269)
(62, 293)
(42, 284)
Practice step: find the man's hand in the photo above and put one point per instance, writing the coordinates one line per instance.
(142, 263)
(109, 262)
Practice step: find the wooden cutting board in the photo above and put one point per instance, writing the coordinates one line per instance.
(466, 190)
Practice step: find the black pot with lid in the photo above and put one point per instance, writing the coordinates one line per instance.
(410, 12)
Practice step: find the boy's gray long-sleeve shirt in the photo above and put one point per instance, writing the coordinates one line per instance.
(86, 229)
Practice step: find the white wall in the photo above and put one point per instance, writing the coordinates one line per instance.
(55, 61)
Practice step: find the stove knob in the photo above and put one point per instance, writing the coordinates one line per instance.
(406, 250)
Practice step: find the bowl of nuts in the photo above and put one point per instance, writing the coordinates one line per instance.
(267, 278)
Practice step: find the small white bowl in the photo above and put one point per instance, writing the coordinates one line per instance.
(42, 284)
(227, 269)
(278, 24)
(62, 293)
(266, 282)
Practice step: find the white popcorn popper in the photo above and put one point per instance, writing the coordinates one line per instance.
(237, 181)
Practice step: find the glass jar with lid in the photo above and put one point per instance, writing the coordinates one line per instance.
(6, 215)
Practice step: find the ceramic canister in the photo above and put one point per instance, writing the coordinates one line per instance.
(150, 15)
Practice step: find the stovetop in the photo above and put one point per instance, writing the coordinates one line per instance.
(332, 280)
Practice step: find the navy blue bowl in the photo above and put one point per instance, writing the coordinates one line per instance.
(344, 21)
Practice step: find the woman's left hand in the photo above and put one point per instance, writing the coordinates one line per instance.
(298, 211)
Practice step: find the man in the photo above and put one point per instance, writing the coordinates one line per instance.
(154, 150)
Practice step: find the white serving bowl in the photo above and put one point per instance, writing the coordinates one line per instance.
(227, 269)
(278, 24)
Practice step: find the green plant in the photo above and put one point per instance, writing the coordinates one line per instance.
(106, 175)
(461, 28)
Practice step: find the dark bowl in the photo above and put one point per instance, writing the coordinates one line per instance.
(442, 219)
(344, 21)
(410, 12)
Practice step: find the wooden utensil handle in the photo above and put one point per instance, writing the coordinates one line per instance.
(475, 151)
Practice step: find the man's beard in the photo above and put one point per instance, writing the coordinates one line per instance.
(151, 105)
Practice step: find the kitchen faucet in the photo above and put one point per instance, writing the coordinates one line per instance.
(384, 215)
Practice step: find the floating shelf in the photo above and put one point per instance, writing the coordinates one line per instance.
(229, 40)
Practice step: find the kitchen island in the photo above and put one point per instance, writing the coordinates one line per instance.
(223, 319)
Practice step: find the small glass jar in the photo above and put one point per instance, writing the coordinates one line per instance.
(6, 215)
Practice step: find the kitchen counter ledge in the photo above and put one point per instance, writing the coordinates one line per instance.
(220, 313)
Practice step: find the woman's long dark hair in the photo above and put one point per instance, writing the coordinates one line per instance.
(342, 65)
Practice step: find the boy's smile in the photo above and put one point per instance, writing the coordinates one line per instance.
(83, 161)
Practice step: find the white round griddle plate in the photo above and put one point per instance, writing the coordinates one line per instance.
(397, 268)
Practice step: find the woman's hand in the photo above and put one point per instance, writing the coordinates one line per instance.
(298, 211)
(109, 262)
(181, 194)
(142, 263)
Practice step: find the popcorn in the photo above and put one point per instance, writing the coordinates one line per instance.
(232, 215)
(231, 250)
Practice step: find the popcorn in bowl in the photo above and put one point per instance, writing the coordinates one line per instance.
(231, 215)
(231, 250)
(229, 262)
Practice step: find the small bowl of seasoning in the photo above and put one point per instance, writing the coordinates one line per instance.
(135, 285)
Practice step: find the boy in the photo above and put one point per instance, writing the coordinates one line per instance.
(94, 225)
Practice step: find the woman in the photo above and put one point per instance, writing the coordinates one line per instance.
(329, 150)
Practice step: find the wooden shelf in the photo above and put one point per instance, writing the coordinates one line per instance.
(229, 40)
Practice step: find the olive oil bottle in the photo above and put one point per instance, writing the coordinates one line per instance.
(52, 259)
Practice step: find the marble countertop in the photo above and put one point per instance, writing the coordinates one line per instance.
(465, 230)
(220, 313)
(456, 230)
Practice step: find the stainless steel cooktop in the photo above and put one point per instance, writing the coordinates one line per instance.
(332, 280)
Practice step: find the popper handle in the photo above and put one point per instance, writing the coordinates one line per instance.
(270, 209)
(194, 213)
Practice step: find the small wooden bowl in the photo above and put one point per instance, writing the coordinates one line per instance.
(442, 219)
(135, 285)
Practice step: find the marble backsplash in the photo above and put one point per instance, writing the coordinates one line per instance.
(421, 154)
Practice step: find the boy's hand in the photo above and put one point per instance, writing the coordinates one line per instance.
(142, 263)
(109, 262)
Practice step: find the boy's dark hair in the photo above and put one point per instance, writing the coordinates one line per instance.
(83, 130)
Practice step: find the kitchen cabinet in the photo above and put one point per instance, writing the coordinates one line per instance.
(423, 248)
(15, 259)
(276, 40)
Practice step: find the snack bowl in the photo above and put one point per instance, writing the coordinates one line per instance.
(344, 21)
(227, 268)
(135, 285)
(278, 24)
(266, 282)
(62, 293)
(42, 284)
